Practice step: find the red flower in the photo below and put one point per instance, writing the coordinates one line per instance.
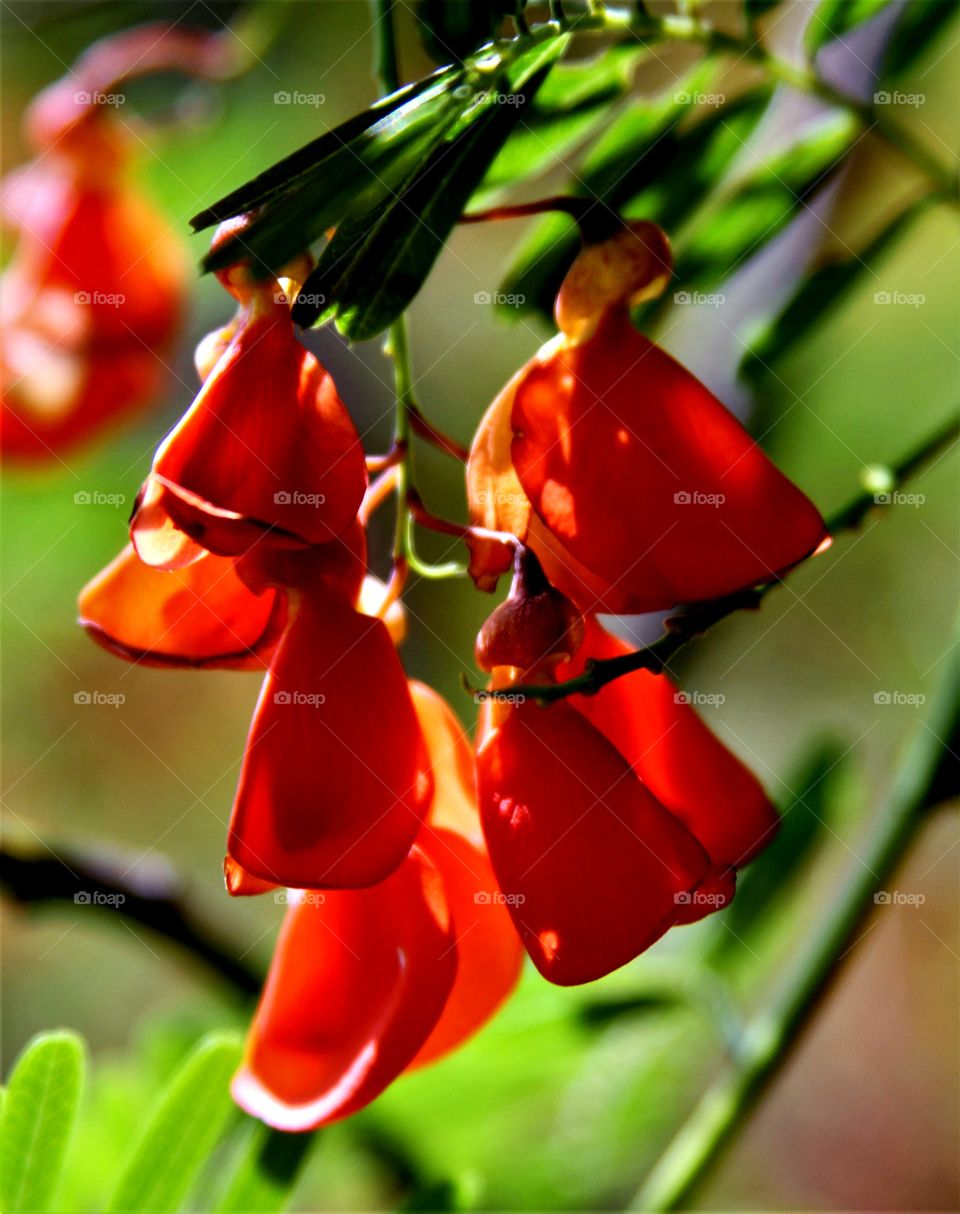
(635, 486)
(94, 292)
(367, 983)
(267, 447)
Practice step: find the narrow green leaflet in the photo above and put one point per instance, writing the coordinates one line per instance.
(762, 202)
(573, 102)
(377, 260)
(39, 1114)
(265, 1171)
(816, 296)
(832, 19)
(351, 174)
(402, 107)
(181, 1130)
(802, 823)
(918, 26)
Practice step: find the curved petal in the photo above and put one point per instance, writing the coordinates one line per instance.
(241, 884)
(591, 864)
(267, 444)
(489, 953)
(335, 778)
(201, 615)
(450, 753)
(646, 479)
(495, 497)
(687, 768)
(358, 980)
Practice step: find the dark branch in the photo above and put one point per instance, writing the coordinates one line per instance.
(154, 901)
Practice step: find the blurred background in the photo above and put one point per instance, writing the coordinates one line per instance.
(567, 1098)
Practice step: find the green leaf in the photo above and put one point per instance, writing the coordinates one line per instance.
(832, 19)
(181, 1131)
(350, 175)
(802, 822)
(40, 1110)
(762, 202)
(377, 260)
(402, 107)
(919, 24)
(265, 1170)
(573, 102)
(816, 296)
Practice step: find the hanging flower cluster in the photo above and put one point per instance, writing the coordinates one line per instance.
(418, 870)
(94, 292)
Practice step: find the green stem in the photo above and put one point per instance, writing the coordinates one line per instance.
(694, 620)
(773, 1033)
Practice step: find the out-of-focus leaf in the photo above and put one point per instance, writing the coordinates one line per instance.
(646, 167)
(818, 294)
(406, 107)
(181, 1131)
(450, 29)
(755, 9)
(832, 19)
(265, 1170)
(763, 201)
(39, 1114)
(599, 1013)
(573, 102)
(802, 822)
(377, 260)
(918, 25)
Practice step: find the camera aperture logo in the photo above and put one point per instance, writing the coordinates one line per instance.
(112, 699)
(896, 897)
(494, 897)
(308, 699)
(97, 897)
(295, 497)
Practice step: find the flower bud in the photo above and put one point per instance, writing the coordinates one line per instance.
(535, 624)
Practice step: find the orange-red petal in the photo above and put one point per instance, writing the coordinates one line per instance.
(335, 779)
(358, 981)
(267, 445)
(646, 479)
(684, 765)
(590, 863)
(200, 615)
